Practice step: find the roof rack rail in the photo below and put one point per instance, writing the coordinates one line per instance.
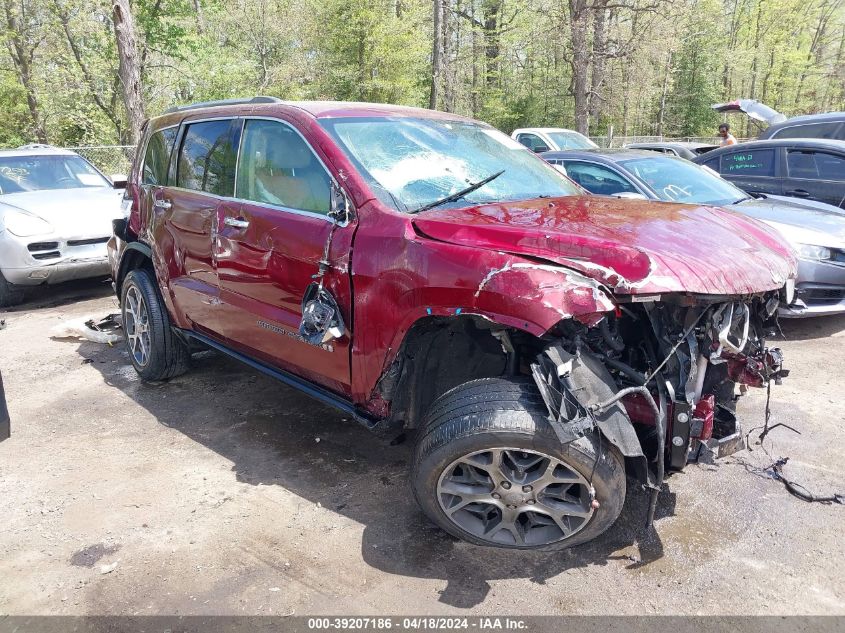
(37, 146)
(223, 102)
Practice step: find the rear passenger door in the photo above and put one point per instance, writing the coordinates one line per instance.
(752, 170)
(816, 175)
(201, 181)
(269, 249)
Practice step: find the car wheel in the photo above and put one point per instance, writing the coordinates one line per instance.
(10, 295)
(155, 350)
(489, 469)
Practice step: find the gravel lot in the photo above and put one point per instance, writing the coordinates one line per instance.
(224, 492)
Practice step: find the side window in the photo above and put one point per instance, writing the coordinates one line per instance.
(713, 164)
(207, 158)
(533, 142)
(754, 162)
(157, 157)
(278, 167)
(598, 179)
(815, 165)
(810, 130)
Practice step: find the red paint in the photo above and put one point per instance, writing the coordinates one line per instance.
(526, 265)
(640, 411)
(704, 411)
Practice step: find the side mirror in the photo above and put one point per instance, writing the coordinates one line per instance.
(539, 149)
(629, 195)
(118, 181)
(340, 207)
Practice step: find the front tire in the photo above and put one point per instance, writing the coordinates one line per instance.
(10, 295)
(156, 352)
(490, 470)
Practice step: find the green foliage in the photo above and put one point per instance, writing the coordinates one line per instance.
(789, 54)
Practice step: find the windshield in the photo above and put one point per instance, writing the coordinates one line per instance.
(677, 180)
(36, 173)
(411, 163)
(571, 140)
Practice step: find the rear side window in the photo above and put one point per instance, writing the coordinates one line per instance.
(829, 129)
(597, 179)
(755, 162)
(157, 157)
(533, 142)
(207, 158)
(815, 165)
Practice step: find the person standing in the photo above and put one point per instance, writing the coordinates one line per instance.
(725, 133)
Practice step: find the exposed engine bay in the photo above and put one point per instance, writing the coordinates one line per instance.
(671, 368)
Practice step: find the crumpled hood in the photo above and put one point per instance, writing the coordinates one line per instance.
(635, 247)
(73, 213)
(822, 225)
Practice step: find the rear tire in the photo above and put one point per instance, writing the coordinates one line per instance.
(10, 295)
(489, 469)
(155, 350)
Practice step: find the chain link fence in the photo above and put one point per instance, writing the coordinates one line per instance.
(109, 159)
(621, 141)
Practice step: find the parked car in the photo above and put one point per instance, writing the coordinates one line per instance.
(56, 211)
(688, 150)
(815, 230)
(421, 271)
(802, 168)
(544, 139)
(828, 125)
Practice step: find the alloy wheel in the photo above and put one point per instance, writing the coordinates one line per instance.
(136, 322)
(514, 496)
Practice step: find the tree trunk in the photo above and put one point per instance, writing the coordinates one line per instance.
(436, 53)
(599, 59)
(129, 70)
(661, 114)
(578, 18)
(22, 50)
(492, 51)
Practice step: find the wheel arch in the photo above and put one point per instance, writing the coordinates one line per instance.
(135, 255)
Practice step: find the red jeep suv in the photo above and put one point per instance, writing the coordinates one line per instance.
(420, 270)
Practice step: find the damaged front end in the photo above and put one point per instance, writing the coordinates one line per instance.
(658, 378)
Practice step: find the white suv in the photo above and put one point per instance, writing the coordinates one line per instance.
(551, 139)
(56, 211)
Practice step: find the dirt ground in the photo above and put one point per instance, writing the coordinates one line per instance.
(224, 492)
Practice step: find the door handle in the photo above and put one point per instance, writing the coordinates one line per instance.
(798, 193)
(237, 223)
(164, 205)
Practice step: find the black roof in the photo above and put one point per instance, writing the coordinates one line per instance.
(603, 154)
(814, 118)
(676, 144)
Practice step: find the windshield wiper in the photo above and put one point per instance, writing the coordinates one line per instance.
(459, 194)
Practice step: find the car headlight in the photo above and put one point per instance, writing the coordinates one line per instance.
(25, 225)
(810, 251)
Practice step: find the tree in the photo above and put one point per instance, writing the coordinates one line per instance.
(129, 70)
(24, 33)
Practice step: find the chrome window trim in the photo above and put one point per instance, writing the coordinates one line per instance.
(141, 182)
